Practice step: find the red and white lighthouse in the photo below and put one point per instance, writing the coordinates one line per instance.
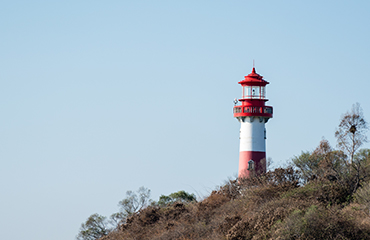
(252, 115)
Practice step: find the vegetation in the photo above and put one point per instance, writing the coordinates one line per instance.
(351, 131)
(323, 194)
(95, 227)
(180, 196)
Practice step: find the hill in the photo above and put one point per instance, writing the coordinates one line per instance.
(323, 194)
(275, 205)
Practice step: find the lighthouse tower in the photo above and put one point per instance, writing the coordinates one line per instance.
(252, 115)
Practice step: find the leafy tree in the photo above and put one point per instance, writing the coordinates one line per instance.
(351, 131)
(180, 196)
(319, 163)
(164, 200)
(362, 157)
(308, 165)
(362, 196)
(325, 163)
(361, 167)
(95, 227)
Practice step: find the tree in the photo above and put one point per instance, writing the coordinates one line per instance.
(308, 165)
(95, 227)
(362, 196)
(361, 167)
(134, 202)
(180, 196)
(116, 219)
(351, 131)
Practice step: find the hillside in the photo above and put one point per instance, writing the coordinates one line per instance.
(280, 204)
(323, 194)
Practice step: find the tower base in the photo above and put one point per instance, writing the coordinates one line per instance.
(249, 169)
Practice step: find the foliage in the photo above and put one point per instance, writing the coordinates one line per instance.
(338, 178)
(308, 166)
(318, 222)
(270, 206)
(361, 164)
(134, 202)
(323, 195)
(180, 196)
(95, 227)
(280, 179)
(351, 131)
(362, 196)
(117, 218)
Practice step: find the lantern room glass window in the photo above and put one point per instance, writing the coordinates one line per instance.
(246, 92)
(254, 92)
(263, 92)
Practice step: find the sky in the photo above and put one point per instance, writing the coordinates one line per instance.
(101, 97)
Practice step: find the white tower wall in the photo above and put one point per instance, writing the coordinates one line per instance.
(252, 134)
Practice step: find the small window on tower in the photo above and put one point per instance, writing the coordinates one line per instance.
(250, 165)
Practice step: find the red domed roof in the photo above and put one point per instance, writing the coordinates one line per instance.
(253, 74)
(254, 79)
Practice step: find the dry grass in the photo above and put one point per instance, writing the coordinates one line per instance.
(272, 206)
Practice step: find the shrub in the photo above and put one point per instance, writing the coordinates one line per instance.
(318, 222)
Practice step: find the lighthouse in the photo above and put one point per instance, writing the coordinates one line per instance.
(251, 112)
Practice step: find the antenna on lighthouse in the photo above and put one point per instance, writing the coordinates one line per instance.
(253, 63)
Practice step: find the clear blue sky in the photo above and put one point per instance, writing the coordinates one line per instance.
(101, 97)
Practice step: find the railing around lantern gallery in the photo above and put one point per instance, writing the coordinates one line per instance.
(263, 110)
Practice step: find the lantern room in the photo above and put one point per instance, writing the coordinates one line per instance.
(254, 86)
(254, 92)
(253, 97)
